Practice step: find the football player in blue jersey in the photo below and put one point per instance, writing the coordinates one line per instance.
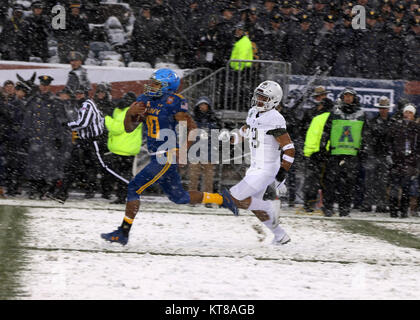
(162, 109)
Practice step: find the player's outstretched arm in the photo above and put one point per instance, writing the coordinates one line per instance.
(135, 115)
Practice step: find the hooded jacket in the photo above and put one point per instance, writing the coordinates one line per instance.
(205, 121)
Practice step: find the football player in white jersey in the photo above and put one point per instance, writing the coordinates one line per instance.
(266, 130)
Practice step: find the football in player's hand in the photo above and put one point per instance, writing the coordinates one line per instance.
(137, 111)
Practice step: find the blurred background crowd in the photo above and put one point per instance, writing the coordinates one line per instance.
(36, 144)
(307, 33)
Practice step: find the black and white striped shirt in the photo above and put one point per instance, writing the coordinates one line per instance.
(90, 121)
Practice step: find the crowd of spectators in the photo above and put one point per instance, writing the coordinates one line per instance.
(37, 147)
(352, 160)
(38, 151)
(189, 33)
(35, 142)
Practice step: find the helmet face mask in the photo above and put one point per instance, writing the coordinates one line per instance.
(267, 96)
(163, 81)
(154, 89)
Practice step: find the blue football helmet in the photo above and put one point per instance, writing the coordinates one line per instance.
(169, 83)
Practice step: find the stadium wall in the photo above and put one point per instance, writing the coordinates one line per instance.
(122, 79)
(132, 79)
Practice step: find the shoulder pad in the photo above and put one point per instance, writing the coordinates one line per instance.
(275, 119)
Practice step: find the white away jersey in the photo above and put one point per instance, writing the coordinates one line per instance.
(265, 150)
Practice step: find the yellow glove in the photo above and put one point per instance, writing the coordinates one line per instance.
(74, 136)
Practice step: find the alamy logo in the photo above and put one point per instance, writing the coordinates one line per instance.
(359, 17)
(59, 20)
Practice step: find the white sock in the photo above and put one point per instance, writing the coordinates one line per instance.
(259, 204)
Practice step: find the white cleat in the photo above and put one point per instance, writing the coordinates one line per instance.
(285, 239)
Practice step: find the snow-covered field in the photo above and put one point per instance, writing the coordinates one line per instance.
(184, 252)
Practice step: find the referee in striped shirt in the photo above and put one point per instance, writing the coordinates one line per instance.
(90, 122)
(86, 154)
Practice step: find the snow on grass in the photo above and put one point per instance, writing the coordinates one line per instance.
(183, 252)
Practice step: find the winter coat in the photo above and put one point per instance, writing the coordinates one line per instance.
(324, 50)
(256, 33)
(206, 121)
(345, 64)
(16, 108)
(242, 50)
(393, 55)
(106, 105)
(5, 120)
(300, 45)
(41, 132)
(39, 30)
(76, 35)
(145, 39)
(404, 145)
(13, 40)
(369, 52)
(411, 70)
(376, 137)
(210, 48)
(274, 46)
(119, 141)
(66, 112)
(225, 29)
(78, 78)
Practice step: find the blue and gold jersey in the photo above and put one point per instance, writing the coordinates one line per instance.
(161, 115)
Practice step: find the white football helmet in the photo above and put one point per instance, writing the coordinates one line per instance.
(267, 96)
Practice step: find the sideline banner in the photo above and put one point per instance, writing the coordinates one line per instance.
(369, 90)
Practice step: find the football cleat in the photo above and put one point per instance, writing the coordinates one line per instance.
(285, 239)
(228, 202)
(116, 236)
(327, 212)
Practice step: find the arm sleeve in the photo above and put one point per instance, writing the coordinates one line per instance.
(85, 117)
(277, 132)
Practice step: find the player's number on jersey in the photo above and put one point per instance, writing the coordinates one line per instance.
(254, 138)
(152, 126)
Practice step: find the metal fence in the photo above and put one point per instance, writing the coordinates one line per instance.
(209, 86)
(240, 83)
(231, 91)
